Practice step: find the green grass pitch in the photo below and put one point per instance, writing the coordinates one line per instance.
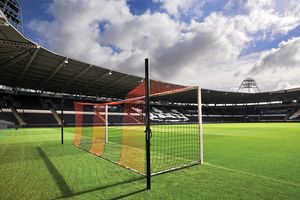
(242, 161)
(172, 146)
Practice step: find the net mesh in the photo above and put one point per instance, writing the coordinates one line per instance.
(120, 137)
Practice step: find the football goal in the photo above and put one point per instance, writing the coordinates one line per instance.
(116, 132)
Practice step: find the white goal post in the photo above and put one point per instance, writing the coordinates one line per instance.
(106, 123)
(200, 129)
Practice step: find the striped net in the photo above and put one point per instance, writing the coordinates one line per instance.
(116, 130)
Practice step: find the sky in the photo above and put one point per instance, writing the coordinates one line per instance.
(212, 43)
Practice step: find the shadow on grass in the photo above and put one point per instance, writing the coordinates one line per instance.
(66, 190)
(58, 178)
(109, 186)
(114, 185)
(129, 194)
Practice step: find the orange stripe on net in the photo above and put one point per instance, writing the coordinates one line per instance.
(78, 124)
(133, 138)
(98, 138)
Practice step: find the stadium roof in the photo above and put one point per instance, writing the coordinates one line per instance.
(25, 64)
(220, 97)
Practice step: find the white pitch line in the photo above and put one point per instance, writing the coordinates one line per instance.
(254, 175)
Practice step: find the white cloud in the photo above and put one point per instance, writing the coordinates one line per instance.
(181, 7)
(75, 30)
(203, 52)
(286, 85)
(273, 16)
(286, 56)
(148, 31)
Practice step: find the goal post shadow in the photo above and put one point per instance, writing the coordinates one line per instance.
(67, 189)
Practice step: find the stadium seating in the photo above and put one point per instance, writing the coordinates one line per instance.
(7, 115)
(35, 111)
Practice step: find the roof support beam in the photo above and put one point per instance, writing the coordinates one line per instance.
(77, 76)
(14, 60)
(9, 53)
(27, 66)
(54, 72)
(115, 82)
(17, 44)
(96, 79)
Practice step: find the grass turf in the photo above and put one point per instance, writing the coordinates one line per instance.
(242, 161)
(172, 146)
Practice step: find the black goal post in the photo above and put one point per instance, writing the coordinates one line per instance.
(147, 123)
(62, 119)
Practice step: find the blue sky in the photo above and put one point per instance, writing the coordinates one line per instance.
(38, 9)
(233, 38)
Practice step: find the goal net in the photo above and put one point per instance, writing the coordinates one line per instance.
(116, 130)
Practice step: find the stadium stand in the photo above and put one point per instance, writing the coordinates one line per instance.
(36, 111)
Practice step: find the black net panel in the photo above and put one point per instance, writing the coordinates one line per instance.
(175, 141)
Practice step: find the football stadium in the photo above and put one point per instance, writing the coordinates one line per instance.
(72, 129)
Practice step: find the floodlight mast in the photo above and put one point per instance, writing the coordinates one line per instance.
(13, 12)
(249, 85)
